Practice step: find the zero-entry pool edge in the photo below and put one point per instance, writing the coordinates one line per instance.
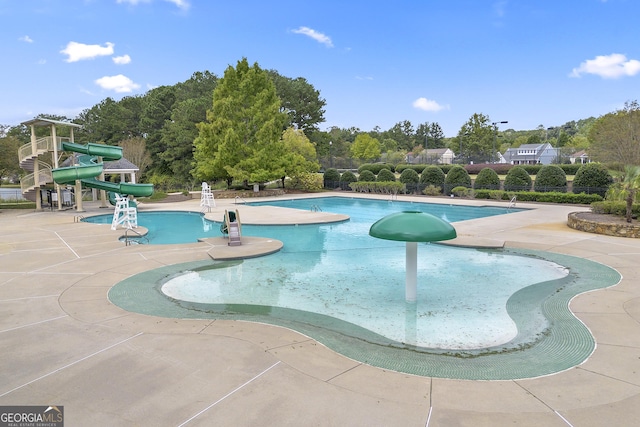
(565, 344)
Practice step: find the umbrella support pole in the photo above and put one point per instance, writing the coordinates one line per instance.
(411, 291)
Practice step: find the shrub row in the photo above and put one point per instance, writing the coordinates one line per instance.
(591, 179)
(614, 208)
(534, 196)
(388, 187)
(499, 168)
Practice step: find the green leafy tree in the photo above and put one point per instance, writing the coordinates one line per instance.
(365, 147)
(110, 121)
(404, 134)
(476, 138)
(177, 137)
(193, 97)
(615, 137)
(300, 155)
(9, 166)
(242, 136)
(300, 101)
(157, 107)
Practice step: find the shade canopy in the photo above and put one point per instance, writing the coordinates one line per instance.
(412, 226)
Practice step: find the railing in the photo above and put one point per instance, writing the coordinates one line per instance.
(128, 240)
(42, 146)
(45, 176)
(512, 203)
(316, 208)
(236, 200)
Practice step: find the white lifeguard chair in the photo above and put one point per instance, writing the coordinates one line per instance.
(206, 197)
(124, 214)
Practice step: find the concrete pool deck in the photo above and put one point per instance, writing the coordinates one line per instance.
(64, 343)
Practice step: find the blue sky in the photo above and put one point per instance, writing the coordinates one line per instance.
(530, 62)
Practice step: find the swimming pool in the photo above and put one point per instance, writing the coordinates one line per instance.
(346, 289)
(171, 227)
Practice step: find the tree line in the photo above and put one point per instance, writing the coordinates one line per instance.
(257, 125)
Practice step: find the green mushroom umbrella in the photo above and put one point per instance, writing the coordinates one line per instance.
(412, 227)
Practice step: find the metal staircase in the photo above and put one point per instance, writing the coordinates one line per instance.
(27, 158)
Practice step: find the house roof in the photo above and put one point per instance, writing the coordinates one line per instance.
(122, 165)
(117, 166)
(437, 150)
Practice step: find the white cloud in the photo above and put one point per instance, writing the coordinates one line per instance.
(182, 4)
(79, 51)
(611, 66)
(26, 39)
(119, 83)
(133, 2)
(319, 37)
(428, 105)
(121, 60)
(500, 8)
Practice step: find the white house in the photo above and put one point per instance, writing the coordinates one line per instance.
(579, 157)
(531, 154)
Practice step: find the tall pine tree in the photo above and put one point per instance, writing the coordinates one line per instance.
(241, 138)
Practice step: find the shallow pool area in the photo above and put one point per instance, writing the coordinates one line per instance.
(462, 293)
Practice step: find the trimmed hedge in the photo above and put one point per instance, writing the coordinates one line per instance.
(366, 176)
(404, 167)
(457, 177)
(487, 179)
(409, 176)
(533, 196)
(410, 179)
(331, 178)
(347, 178)
(432, 175)
(386, 187)
(517, 179)
(376, 167)
(385, 175)
(499, 168)
(550, 178)
(592, 178)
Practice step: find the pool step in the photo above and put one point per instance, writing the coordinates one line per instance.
(234, 234)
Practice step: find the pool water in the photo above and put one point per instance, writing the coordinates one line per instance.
(338, 270)
(462, 293)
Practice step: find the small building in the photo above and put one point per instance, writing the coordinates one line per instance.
(441, 156)
(580, 157)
